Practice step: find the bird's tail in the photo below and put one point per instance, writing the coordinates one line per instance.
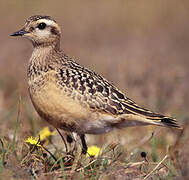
(164, 121)
(149, 118)
(137, 115)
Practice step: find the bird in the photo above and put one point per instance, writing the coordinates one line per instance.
(72, 97)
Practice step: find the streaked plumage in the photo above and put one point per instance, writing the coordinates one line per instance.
(72, 97)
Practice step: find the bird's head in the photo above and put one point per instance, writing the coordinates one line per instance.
(41, 30)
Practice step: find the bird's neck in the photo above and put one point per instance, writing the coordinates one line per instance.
(48, 46)
(43, 55)
(42, 52)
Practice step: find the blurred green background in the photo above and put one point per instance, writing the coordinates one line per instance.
(140, 46)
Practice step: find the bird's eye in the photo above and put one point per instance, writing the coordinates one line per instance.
(42, 26)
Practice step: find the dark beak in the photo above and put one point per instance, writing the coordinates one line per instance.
(19, 33)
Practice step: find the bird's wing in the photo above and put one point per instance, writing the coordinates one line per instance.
(102, 96)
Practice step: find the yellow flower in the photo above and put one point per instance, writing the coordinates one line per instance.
(33, 141)
(45, 133)
(93, 151)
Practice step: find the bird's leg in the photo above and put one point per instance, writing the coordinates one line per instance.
(63, 139)
(84, 144)
(79, 156)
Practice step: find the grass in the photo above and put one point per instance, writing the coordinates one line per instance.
(154, 149)
(110, 163)
(2, 159)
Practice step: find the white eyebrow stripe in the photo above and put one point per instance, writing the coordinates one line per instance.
(48, 22)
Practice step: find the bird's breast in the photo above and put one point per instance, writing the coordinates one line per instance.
(57, 106)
